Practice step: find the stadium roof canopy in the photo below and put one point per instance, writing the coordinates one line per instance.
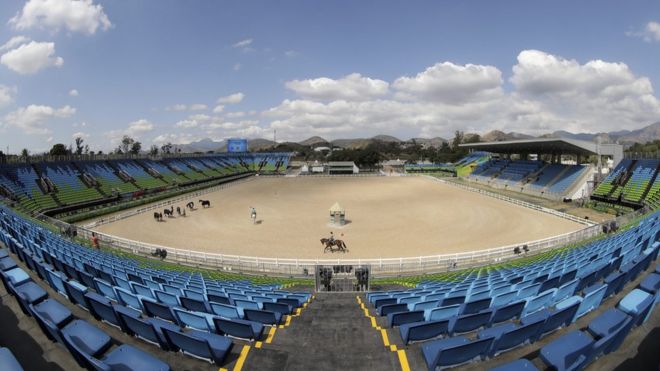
(554, 146)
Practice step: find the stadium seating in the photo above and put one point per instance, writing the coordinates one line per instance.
(8, 362)
(169, 309)
(536, 177)
(632, 181)
(81, 182)
(519, 312)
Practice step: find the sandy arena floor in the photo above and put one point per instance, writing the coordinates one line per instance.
(389, 217)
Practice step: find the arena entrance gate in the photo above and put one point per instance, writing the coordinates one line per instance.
(343, 278)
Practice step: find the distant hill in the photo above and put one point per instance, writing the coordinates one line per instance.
(313, 141)
(500, 136)
(625, 137)
(203, 145)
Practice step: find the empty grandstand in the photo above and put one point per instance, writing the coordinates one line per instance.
(632, 183)
(508, 166)
(54, 187)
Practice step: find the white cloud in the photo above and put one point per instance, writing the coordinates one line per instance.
(187, 124)
(74, 15)
(448, 82)
(14, 42)
(219, 108)
(353, 87)
(34, 119)
(80, 134)
(6, 95)
(231, 99)
(32, 57)
(177, 107)
(244, 45)
(197, 107)
(650, 33)
(550, 93)
(139, 127)
(73, 93)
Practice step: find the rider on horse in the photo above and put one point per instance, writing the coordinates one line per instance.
(332, 237)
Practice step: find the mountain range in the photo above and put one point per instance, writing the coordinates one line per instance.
(625, 137)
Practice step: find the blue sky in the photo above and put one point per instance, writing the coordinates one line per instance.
(180, 71)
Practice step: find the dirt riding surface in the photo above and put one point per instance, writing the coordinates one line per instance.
(387, 217)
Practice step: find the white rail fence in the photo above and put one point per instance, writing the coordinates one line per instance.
(168, 202)
(381, 267)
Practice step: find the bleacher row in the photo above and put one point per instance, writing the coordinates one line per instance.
(176, 311)
(80, 182)
(634, 181)
(479, 317)
(528, 176)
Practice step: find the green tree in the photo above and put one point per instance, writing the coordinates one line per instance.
(166, 148)
(125, 144)
(79, 145)
(135, 148)
(25, 153)
(153, 150)
(59, 149)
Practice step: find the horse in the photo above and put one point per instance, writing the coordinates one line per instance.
(168, 213)
(156, 214)
(191, 205)
(329, 244)
(205, 203)
(178, 210)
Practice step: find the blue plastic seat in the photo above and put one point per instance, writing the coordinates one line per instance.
(76, 293)
(568, 352)
(81, 338)
(607, 322)
(637, 304)
(239, 328)
(516, 337)
(437, 314)
(651, 283)
(106, 289)
(195, 305)
(399, 318)
(149, 330)
(278, 307)
(553, 320)
(7, 263)
(423, 330)
(8, 362)
(392, 308)
(195, 320)
(538, 302)
(507, 312)
(263, 316)
(469, 322)
(226, 311)
(566, 290)
(454, 351)
(212, 347)
(167, 298)
(103, 309)
(126, 357)
(160, 310)
(51, 316)
(475, 306)
(27, 293)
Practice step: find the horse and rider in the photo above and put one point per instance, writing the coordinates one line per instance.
(253, 215)
(332, 242)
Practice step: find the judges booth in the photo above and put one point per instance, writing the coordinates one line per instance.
(342, 278)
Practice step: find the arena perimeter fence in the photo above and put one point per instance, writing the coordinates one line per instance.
(380, 267)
